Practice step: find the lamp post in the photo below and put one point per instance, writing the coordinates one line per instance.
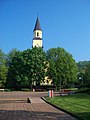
(81, 79)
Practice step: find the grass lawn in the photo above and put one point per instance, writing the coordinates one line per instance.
(78, 104)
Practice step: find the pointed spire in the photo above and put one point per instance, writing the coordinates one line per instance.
(37, 25)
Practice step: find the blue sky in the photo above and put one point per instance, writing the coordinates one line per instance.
(65, 23)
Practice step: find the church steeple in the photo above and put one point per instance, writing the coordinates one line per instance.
(37, 40)
(37, 25)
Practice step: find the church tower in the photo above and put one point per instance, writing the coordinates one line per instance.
(37, 40)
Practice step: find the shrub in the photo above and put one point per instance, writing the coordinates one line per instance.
(84, 90)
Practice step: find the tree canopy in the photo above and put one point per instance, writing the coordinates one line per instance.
(3, 68)
(29, 67)
(26, 68)
(84, 72)
(62, 67)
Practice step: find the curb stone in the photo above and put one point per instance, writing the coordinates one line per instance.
(43, 98)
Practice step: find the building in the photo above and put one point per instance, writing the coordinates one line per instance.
(37, 39)
(38, 42)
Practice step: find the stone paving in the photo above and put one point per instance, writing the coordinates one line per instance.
(14, 106)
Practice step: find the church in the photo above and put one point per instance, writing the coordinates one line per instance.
(37, 41)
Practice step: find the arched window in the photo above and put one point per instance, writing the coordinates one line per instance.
(37, 34)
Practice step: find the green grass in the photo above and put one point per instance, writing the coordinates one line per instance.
(78, 104)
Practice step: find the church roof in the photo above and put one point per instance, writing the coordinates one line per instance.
(37, 25)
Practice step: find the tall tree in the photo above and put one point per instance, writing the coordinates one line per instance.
(26, 68)
(38, 65)
(10, 56)
(3, 68)
(62, 67)
(87, 75)
(83, 72)
(14, 63)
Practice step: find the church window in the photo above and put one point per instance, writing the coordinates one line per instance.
(37, 34)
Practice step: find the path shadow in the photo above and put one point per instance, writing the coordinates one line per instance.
(32, 115)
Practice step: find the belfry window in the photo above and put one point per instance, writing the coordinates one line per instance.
(37, 34)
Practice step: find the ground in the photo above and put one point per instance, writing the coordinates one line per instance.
(14, 106)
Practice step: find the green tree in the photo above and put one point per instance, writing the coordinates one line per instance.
(83, 72)
(3, 68)
(14, 63)
(36, 65)
(26, 68)
(62, 67)
(87, 75)
(10, 56)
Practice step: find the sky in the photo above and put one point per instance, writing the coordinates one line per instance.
(65, 23)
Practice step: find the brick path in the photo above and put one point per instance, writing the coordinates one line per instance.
(14, 106)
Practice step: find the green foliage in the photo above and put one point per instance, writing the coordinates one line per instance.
(26, 68)
(87, 74)
(84, 90)
(84, 72)
(30, 67)
(62, 67)
(26, 89)
(10, 56)
(3, 68)
(38, 65)
(14, 70)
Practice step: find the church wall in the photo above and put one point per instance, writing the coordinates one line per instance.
(37, 43)
(36, 35)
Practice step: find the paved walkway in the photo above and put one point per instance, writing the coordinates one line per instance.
(14, 106)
